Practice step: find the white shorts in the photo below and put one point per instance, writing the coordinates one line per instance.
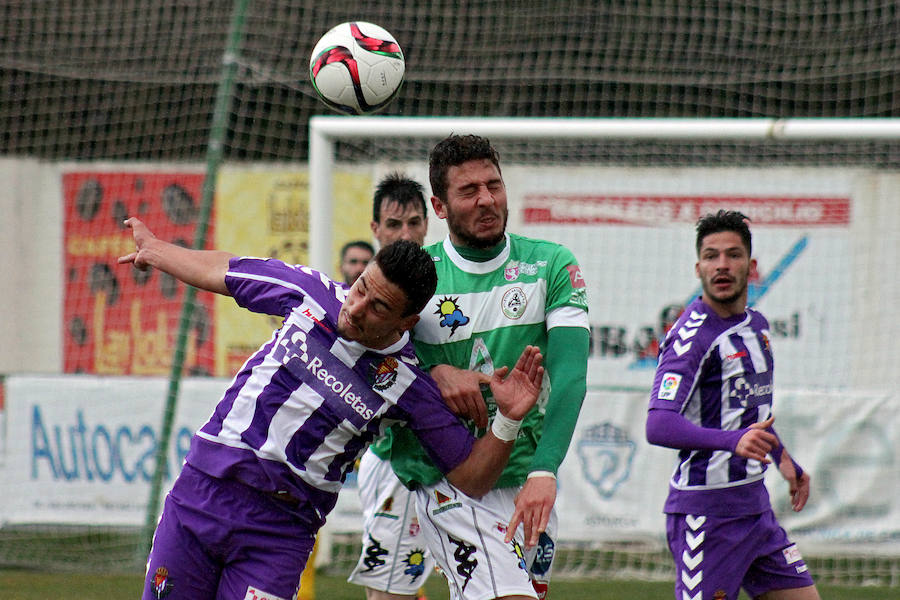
(394, 557)
(466, 538)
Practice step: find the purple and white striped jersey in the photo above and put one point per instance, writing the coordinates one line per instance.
(304, 407)
(718, 374)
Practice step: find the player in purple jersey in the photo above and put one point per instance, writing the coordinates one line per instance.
(712, 401)
(265, 469)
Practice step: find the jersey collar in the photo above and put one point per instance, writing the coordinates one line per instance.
(471, 266)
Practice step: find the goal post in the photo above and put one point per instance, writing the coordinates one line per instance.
(624, 195)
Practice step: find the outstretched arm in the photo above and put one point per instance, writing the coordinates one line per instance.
(515, 395)
(204, 269)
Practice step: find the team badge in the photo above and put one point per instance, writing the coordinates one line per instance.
(451, 315)
(513, 303)
(385, 374)
(415, 564)
(161, 584)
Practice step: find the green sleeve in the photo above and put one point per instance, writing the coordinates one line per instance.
(566, 364)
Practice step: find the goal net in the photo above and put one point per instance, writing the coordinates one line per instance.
(624, 196)
(117, 109)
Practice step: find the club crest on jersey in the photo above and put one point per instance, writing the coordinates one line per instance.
(161, 584)
(385, 374)
(451, 315)
(513, 303)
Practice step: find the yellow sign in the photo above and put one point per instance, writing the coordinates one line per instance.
(265, 213)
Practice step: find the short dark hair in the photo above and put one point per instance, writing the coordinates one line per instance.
(397, 187)
(356, 244)
(411, 269)
(724, 220)
(453, 151)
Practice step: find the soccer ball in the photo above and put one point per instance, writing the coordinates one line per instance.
(357, 68)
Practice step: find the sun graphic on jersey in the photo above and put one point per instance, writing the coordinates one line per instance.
(451, 315)
(415, 564)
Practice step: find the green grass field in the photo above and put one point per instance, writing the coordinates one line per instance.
(29, 585)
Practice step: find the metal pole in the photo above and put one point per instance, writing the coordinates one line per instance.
(214, 151)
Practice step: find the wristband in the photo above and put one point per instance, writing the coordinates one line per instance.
(541, 474)
(504, 428)
(798, 469)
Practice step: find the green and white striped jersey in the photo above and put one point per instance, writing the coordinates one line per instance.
(481, 317)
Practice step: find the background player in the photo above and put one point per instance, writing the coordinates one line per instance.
(395, 561)
(265, 470)
(712, 400)
(355, 256)
(496, 293)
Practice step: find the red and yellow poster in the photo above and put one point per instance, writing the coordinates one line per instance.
(119, 320)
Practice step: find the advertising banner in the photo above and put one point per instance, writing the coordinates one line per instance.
(635, 244)
(119, 320)
(81, 449)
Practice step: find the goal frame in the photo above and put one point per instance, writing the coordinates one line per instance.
(325, 131)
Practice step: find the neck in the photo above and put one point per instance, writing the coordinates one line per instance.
(730, 309)
(479, 254)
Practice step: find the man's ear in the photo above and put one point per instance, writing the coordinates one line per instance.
(408, 322)
(697, 269)
(439, 208)
(374, 227)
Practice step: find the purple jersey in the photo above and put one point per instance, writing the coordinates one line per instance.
(304, 407)
(718, 374)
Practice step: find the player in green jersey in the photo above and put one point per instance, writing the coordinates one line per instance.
(497, 292)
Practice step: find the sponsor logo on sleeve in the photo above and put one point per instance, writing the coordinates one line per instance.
(575, 276)
(668, 387)
(792, 554)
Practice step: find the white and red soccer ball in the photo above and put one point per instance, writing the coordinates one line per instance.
(357, 68)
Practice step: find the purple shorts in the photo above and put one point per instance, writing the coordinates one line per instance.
(719, 555)
(222, 540)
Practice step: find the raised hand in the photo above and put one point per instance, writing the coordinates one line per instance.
(517, 393)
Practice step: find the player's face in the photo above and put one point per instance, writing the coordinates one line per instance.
(354, 263)
(372, 313)
(400, 223)
(724, 267)
(475, 209)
